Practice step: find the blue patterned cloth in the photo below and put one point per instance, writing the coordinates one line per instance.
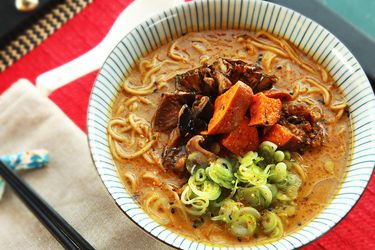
(23, 161)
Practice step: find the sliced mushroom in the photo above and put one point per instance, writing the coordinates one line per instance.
(265, 82)
(301, 109)
(221, 65)
(215, 79)
(174, 159)
(250, 74)
(209, 80)
(188, 81)
(222, 81)
(166, 115)
(189, 124)
(299, 118)
(185, 121)
(203, 108)
(194, 145)
(197, 80)
(174, 139)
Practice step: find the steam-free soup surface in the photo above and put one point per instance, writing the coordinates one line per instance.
(137, 148)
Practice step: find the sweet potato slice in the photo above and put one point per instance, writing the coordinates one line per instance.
(278, 94)
(242, 139)
(264, 111)
(230, 109)
(282, 137)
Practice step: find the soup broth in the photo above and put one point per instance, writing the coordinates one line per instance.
(138, 149)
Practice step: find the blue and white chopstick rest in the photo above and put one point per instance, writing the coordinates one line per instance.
(23, 161)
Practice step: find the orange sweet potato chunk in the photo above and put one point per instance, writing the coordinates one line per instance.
(264, 111)
(282, 137)
(230, 109)
(242, 139)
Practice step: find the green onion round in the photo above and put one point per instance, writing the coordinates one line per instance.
(279, 156)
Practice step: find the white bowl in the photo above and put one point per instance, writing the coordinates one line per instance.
(253, 15)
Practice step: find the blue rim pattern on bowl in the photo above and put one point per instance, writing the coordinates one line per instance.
(247, 15)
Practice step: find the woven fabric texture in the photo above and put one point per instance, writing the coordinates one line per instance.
(39, 30)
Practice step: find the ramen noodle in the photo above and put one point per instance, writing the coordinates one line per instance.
(175, 196)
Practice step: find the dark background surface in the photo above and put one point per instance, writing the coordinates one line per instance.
(360, 13)
(12, 21)
(360, 44)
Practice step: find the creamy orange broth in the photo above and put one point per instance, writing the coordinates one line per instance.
(320, 185)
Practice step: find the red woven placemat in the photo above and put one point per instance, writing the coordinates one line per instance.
(356, 231)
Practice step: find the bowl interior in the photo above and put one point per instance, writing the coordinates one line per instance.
(252, 15)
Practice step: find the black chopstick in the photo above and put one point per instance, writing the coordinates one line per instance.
(57, 226)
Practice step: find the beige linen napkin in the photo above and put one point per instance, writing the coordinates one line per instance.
(69, 183)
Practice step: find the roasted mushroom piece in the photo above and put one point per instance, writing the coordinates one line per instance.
(203, 108)
(250, 74)
(166, 115)
(195, 145)
(174, 159)
(192, 121)
(197, 80)
(220, 72)
(189, 81)
(185, 121)
(188, 123)
(223, 82)
(175, 139)
(215, 79)
(303, 122)
(303, 110)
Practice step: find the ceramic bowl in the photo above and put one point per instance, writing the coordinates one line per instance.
(252, 15)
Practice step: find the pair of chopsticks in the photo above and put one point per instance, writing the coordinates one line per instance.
(56, 225)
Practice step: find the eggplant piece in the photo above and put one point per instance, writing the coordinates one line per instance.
(166, 115)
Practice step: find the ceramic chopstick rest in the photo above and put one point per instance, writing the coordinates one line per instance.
(23, 161)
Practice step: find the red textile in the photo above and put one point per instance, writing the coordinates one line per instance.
(356, 231)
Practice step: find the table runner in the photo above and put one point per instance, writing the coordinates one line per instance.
(38, 30)
(85, 31)
(69, 182)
